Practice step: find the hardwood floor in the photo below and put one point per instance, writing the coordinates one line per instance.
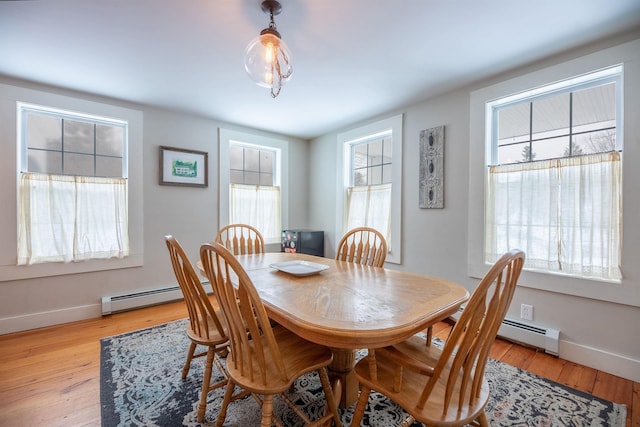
(51, 376)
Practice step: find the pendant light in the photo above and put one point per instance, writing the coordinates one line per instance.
(267, 58)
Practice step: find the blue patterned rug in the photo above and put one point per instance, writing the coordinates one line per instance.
(141, 385)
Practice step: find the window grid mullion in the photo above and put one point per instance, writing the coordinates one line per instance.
(570, 123)
(62, 154)
(95, 150)
(530, 131)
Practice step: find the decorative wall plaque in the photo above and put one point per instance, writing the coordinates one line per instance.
(432, 168)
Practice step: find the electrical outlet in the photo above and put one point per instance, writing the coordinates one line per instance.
(526, 312)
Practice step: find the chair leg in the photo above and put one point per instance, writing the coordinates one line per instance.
(358, 413)
(223, 352)
(206, 379)
(187, 364)
(429, 335)
(482, 419)
(228, 392)
(329, 397)
(336, 386)
(267, 410)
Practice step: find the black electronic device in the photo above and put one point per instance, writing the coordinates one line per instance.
(309, 242)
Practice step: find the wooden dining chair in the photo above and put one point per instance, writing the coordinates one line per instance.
(205, 327)
(445, 387)
(263, 360)
(363, 245)
(241, 239)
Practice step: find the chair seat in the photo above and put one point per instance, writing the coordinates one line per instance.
(413, 353)
(412, 387)
(214, 336)
(302, 357)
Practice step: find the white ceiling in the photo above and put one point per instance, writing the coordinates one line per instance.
(352, 59)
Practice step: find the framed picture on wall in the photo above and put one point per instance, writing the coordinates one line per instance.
(183, 167)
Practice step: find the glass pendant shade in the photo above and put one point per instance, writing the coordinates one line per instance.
(268, 62)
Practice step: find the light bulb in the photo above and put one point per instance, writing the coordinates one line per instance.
(269, 52)
(268, 61)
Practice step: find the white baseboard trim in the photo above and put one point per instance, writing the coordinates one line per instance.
(610, 363)
(48, 318)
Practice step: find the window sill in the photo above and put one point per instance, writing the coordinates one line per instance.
(14, 272)
(620, 292)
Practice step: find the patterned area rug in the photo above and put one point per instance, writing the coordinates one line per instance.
(141, 385)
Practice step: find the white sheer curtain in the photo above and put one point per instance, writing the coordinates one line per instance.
(566, 214)
(259, 206)
(370, 206)
(71, 218)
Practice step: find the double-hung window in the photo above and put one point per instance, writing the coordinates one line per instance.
(369, 192)
(72, 186)
(251, 187)
(254, 196)
(371, 184)
(554, 176)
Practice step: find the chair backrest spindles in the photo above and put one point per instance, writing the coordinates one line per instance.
(241, 239)
(363, 245)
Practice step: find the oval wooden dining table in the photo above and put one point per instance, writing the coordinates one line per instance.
(350, 306)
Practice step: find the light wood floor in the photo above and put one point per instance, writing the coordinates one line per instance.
(51, 376)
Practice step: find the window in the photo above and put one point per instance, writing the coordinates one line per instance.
(369, 192)
(72, 186)
(252, 165)
(371, 162)
(554, 176)
(251, 188)
(254, 193)
(371, 186)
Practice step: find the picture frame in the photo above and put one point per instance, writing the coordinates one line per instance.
(182, 167)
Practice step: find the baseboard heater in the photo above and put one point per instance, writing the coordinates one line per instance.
(117, 303)
(527, 333)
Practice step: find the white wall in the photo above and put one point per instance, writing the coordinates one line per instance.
(189, 213)
(436, 241)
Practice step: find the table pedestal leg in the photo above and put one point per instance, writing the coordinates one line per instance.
(342, 368)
